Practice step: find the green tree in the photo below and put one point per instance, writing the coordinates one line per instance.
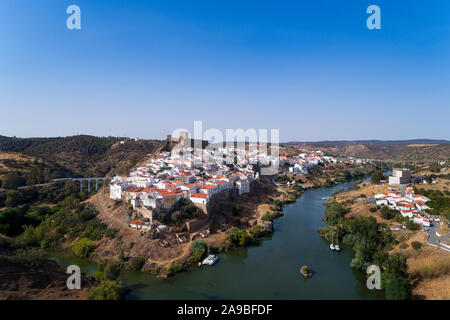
(111, 271)
(13, 180)
(198, 249)
(388, 213)
(395, 280)
(137, 263)
(376, 177)
(13, 198)
(107, 290)
(70, 187)
(83, 247)
(267, 217)
(35, 176)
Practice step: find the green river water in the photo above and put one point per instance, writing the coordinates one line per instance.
(267, 271)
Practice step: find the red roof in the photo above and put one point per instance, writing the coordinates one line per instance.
(166, 194)
(209, 186)
(199, 195)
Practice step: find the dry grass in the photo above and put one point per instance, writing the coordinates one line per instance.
(444, 229)
(433, 269)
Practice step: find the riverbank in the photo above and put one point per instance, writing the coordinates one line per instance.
(427, 268)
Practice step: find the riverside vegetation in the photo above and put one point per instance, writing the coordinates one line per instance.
(370, 242)
(54, 219)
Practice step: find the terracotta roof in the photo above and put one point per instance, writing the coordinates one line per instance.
(209, 186)
(134, 189)
(199, 195)
(166, 194)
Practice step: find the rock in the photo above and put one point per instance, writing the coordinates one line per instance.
(306, 271)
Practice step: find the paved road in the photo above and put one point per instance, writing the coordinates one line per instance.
(435, 240)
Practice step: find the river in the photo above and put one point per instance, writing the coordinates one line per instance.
(267, 271)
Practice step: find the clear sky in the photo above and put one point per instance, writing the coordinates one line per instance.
(144, 68)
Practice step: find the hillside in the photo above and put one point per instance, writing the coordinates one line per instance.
(394, 151)
(73, 156)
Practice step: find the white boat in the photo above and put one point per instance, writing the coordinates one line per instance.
(334, 247)
(210, 260)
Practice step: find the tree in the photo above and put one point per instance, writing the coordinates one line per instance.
(13, 180)
(107, 290)
(376, 177)
(35, 176)
(387, 213)
(13, 198)
(70, 187)
(239, 237)
(198, 249)
(83, 247)
(267, 217)
(416, 245)
(112, 271)
(395, 280)
(137, 263)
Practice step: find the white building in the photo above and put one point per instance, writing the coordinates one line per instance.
(243, 186)
(400, 176)
(201, 198)
(115, 190)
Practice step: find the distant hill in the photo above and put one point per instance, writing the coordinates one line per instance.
(418, 150)
(369, 142)
(80, 155)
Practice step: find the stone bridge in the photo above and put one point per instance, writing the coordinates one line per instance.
(82, 180)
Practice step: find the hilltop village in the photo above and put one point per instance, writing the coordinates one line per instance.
(169, 178)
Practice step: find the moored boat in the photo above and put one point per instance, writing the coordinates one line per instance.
(210, 260)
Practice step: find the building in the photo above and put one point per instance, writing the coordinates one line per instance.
(243, 186)
(200, 198)
(116, 189)
(400, 176)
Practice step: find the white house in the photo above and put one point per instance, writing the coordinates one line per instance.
(115, 190)
(243, 186)
(201, 198)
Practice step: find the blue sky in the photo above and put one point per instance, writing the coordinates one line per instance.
(144, 68)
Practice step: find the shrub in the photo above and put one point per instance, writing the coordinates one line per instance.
(13, 198)
(416, 245)
(83, 247)
(387, 213)
(98, 275)
(433, 269)
(257, 231)
(198, 249)
(238, 237)
(111, 271)
(267, 217)
(137, 263)
(107, 290)
(29, 257)
(411, 225)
